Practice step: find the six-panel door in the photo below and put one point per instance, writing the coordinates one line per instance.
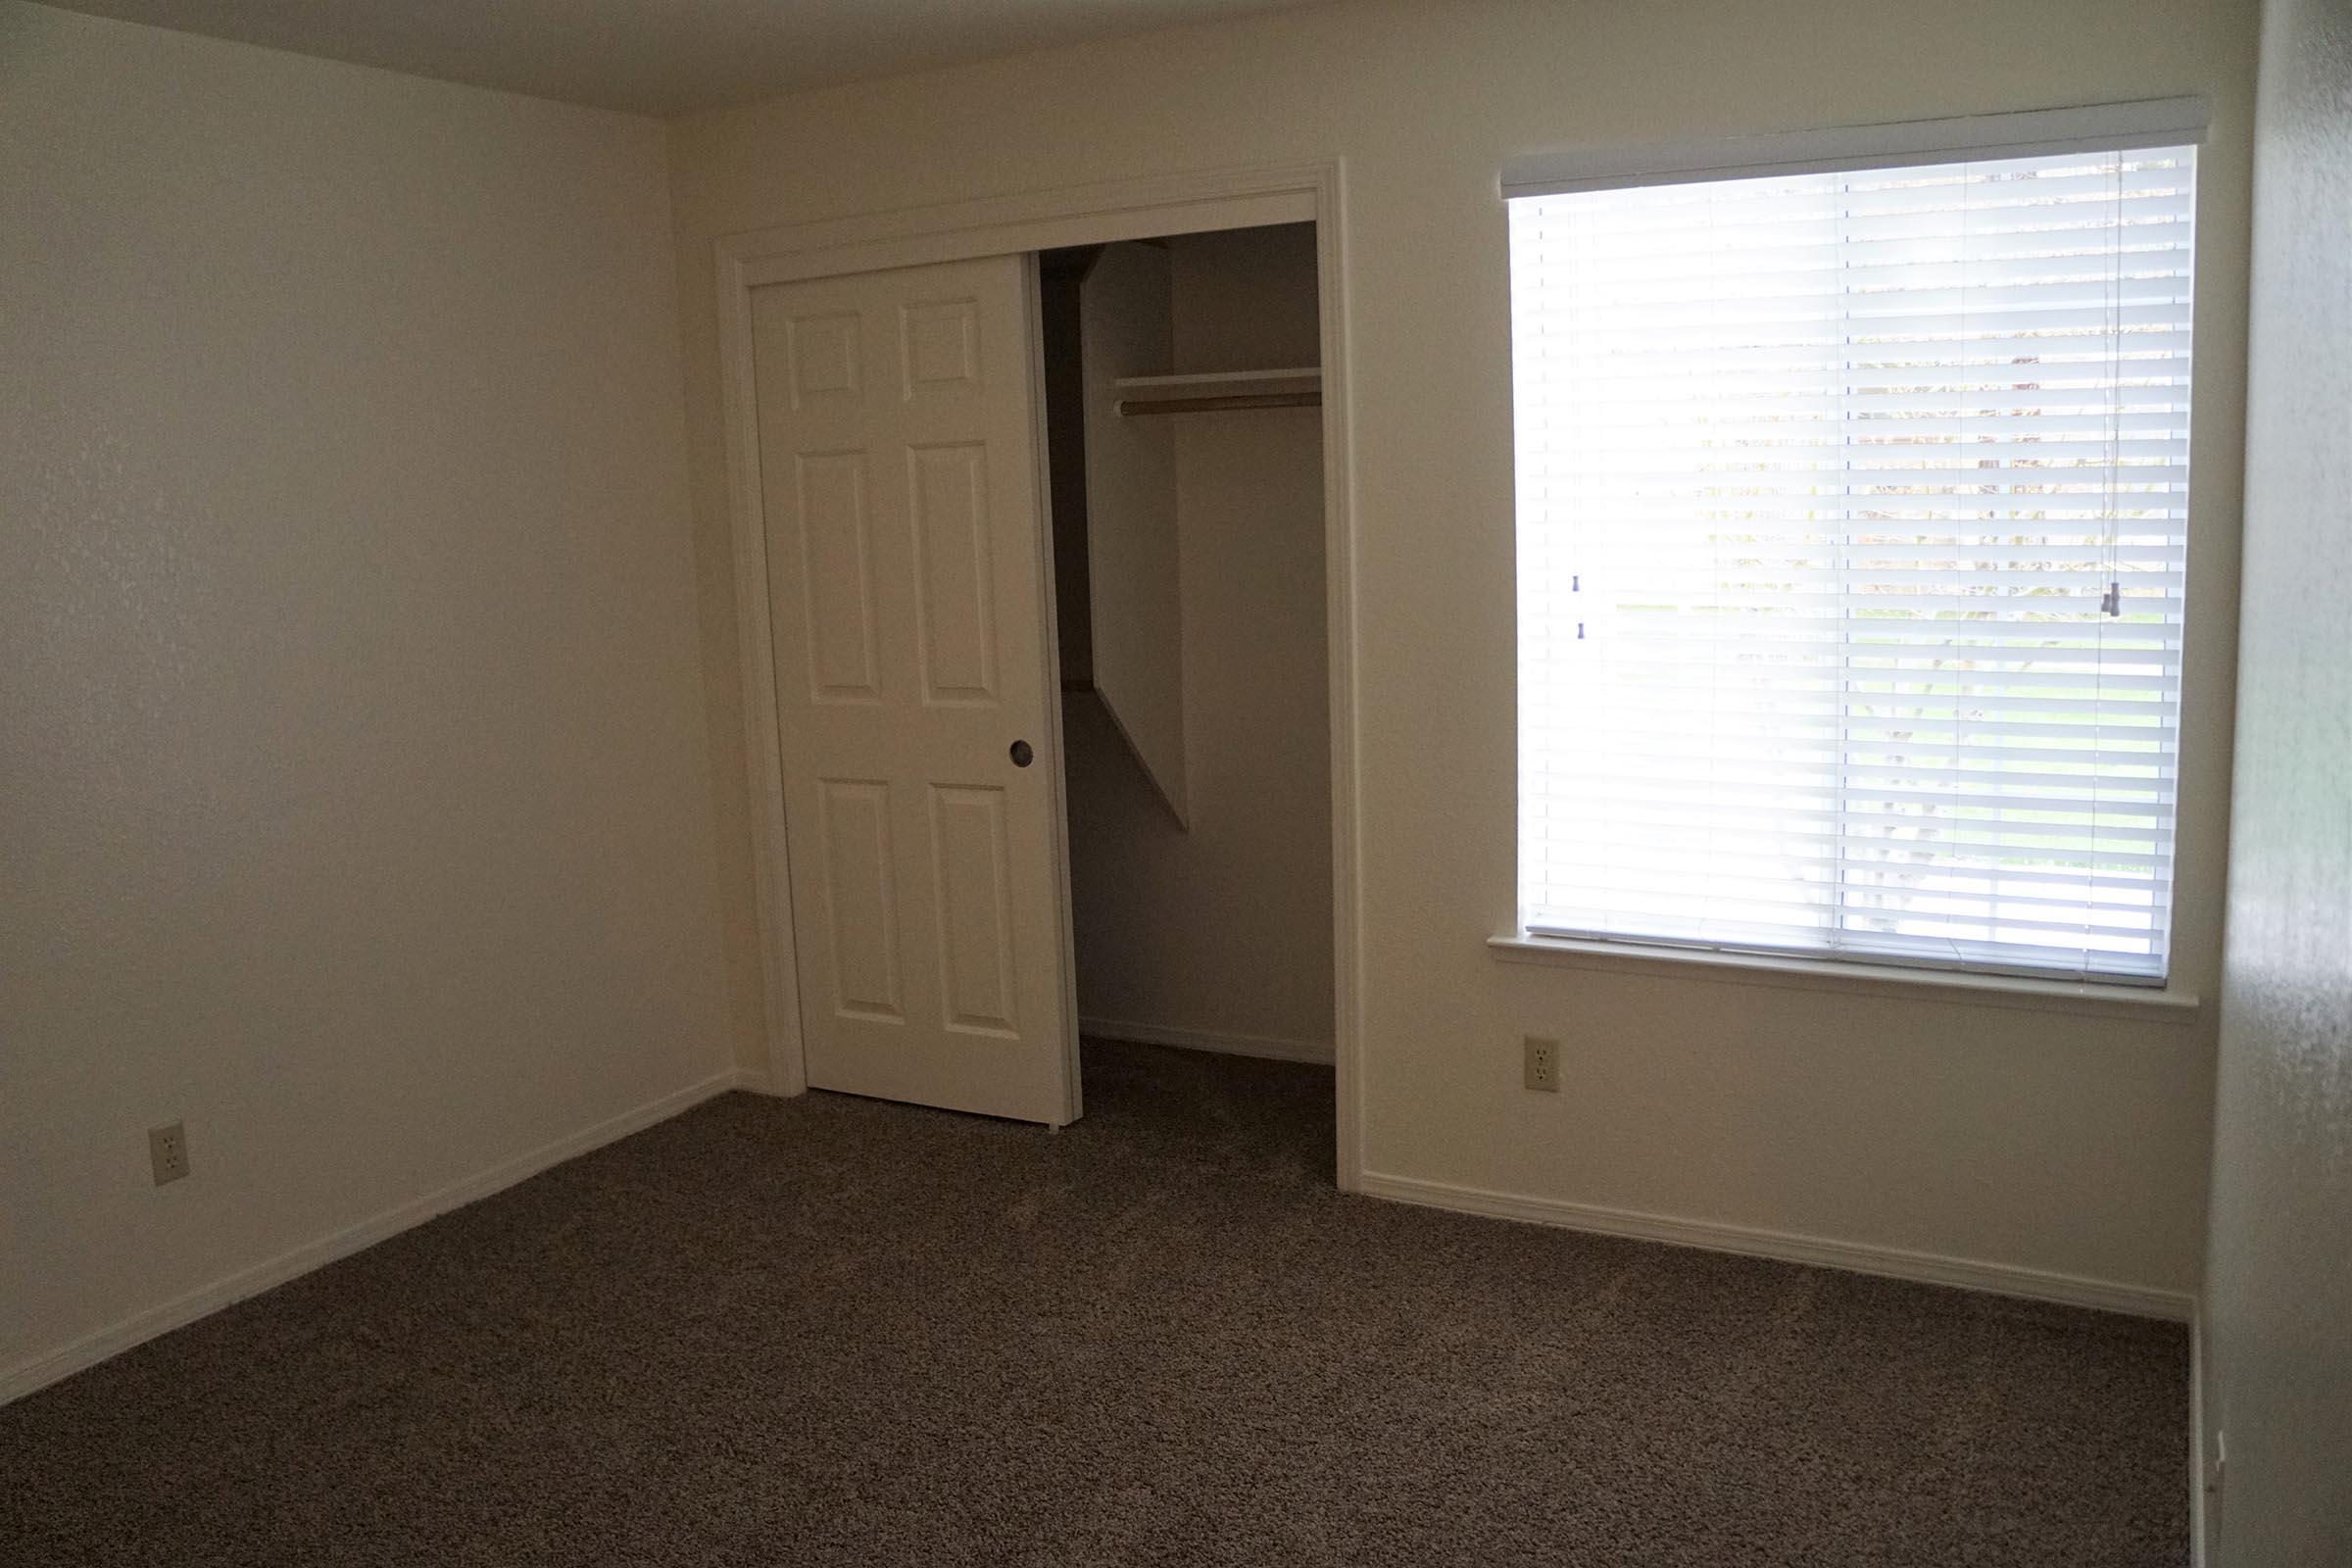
(907, 603)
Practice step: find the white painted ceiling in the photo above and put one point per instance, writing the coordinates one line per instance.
(663, 57)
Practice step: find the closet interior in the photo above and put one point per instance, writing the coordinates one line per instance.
(1186, 477)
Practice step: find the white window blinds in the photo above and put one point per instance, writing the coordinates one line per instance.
(1852, 514)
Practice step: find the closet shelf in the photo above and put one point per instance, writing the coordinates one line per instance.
(1220, 391)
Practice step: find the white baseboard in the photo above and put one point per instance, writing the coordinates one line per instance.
(1999, 1278)
(50, 1366)
(755, 1080)
(1216, 1040)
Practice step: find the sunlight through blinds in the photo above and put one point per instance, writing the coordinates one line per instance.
(1852, 516)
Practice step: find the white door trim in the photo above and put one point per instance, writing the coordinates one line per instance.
(997, 226)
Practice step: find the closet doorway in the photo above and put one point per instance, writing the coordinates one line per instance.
(1253, 341)
(1183, 391)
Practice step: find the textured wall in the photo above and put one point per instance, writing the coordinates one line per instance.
(2036, 1139)
(354, 795)
(2279, 1291)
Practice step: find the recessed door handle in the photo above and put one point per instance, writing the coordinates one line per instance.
(1021, 754)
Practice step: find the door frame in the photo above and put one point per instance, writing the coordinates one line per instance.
(1020, 223)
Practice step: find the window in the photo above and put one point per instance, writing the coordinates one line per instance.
(1852, 511)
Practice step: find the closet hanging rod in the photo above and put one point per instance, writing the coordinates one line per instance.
(1220, 391)
(1223, 402)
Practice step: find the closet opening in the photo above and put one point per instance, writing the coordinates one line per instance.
(1185, 467)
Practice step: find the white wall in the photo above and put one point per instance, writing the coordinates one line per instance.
(2034, 1140)
(2279, 1270)
(354, 786)
(1223, 928)
(1134, 570)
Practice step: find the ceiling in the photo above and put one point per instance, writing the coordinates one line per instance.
(663, 57)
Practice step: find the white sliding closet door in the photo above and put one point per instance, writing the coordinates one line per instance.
(908, 592)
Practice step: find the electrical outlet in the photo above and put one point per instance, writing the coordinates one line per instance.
(168, 1151)
(1542, 1064)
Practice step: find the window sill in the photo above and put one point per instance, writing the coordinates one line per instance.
(2164, 1005)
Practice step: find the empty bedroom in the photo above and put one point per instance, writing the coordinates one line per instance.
(1180, 781)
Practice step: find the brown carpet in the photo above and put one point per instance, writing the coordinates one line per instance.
(834, 1331)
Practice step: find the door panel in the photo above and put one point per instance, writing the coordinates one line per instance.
(838, 553)
(909, 604)
(948, 489)
(824, 357)
(940, 344)
(976, 901)
(860, 897)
